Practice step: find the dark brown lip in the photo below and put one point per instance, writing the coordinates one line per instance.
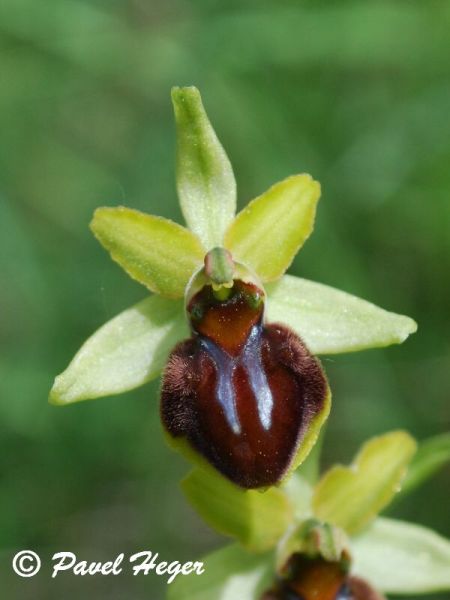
(244, 399)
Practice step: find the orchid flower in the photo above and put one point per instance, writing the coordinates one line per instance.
(236, 337)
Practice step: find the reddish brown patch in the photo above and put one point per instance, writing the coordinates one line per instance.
(317, 579)
(227, 323)
(256, 456)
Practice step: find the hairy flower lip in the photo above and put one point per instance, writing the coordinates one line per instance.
(249, 391)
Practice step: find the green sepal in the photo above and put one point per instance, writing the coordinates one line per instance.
(432, 454)
(126, 352)
(157, 252)
(402, 558)
(331, 321)
(205, 181)
(231, 573)
(256, 519)
(350, 497)
(269, 231)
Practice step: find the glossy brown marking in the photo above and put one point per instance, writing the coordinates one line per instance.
(241, 393)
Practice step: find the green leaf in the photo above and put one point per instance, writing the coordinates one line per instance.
(432, 454)
(268, 232)
(402, 558)
(231, 573)
(330, 321)
(126, 352)
(157, 252)
(351, 497)
(257, 519)
(205, 180)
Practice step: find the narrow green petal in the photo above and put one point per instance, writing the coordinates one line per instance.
(126, 352)
(157, 252)
(350, 497)
(330, 321)
(431, 455)
(257, 519)
(402, 558)
(231, 573)
(268, 232)
(205, 180)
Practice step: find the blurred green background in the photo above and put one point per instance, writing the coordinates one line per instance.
(356, 93)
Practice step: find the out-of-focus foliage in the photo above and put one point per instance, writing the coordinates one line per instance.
(354, 93)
